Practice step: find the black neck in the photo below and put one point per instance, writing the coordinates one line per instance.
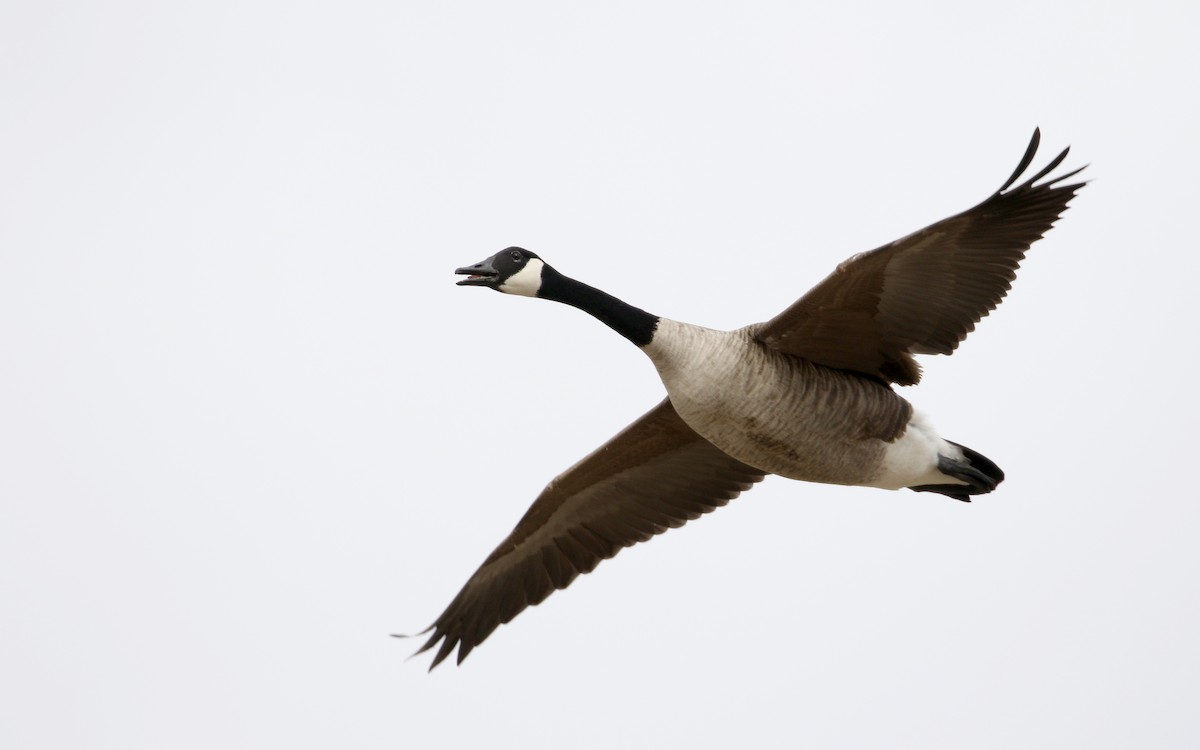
(634, 324)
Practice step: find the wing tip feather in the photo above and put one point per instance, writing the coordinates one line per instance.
(1026, 160)
(1031, 183)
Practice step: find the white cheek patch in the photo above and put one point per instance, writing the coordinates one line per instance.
(525, 282)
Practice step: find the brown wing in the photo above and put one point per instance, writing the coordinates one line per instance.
(656, 474)
(924, 293)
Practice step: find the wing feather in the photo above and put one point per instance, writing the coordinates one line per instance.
(655, 475)
(924, 293)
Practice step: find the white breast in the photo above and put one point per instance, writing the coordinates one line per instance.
(693, 362)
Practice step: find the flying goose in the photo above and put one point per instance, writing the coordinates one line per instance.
(807, 395)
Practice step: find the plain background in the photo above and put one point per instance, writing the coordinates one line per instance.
(249, 426)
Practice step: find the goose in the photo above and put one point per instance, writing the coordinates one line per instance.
(806, 395)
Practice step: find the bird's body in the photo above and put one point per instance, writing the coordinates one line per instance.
(806, 395)
(780, 413)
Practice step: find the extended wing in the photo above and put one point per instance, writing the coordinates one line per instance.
(924, 293)
(655, 475)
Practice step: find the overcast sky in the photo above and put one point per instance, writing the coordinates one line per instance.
(249, 426)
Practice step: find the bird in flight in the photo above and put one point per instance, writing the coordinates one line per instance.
(806, 395)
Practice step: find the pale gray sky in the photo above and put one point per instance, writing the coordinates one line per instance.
(249, 426)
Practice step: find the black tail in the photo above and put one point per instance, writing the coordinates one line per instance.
(979, 472)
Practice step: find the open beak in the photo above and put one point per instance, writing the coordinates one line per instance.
(480, 274)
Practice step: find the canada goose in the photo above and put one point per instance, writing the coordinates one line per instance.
(806, 395)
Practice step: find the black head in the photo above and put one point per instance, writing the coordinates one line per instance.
(512, 271)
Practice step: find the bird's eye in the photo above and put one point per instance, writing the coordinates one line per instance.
(516, 254)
